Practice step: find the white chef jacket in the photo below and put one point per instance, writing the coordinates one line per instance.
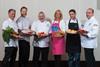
(11, 24)
(24, 23)
(92, 27)
(39, 26)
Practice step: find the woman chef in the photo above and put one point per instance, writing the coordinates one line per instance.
(57, 38)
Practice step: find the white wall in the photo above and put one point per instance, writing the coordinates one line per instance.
(48, 6)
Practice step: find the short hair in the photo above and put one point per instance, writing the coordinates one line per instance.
(72, 10)
(91, 9)
(61, 15)
(11, 10)
(23, 8)
(41, 12)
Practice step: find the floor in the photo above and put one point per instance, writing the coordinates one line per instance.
(51, 64)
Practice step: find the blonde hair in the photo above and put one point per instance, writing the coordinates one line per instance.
(61, 15)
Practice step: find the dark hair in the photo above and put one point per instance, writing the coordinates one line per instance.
(11, 10)
(72, 10)
(23, 8)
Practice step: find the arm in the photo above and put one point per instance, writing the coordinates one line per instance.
(93, 32)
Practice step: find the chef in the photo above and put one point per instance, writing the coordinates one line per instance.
(11, 47)
(41, 47)
(24, 25)
(73, 41)
(89, 34)
(58, 37)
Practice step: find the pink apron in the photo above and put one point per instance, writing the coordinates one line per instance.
(58, 44)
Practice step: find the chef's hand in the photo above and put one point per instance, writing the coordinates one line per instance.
(58, 34)
(83, 32)
(26, 32)
(29, 34)
(16, 36)
(41, 34)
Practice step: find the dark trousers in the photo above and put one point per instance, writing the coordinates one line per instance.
(74, 59)
(24, 52)
(43, 52)
(57, 60)
(9, 57)
(89, 56)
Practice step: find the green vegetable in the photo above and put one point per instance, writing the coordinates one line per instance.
(7, 34)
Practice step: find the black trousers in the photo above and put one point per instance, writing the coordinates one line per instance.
(43, 52)
(24, 52)
(9, 57)
(89, 56)
(57, 59)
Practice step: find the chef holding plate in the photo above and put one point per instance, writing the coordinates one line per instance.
(73, 40)
(41, 40)
(89, 33)
(24, 25)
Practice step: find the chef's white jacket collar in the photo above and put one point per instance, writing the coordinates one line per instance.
(10, 20)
